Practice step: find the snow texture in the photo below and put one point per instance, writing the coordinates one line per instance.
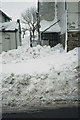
(45, 24)
(9, 26)
(38, 76)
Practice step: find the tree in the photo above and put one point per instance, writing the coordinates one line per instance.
(29, 18)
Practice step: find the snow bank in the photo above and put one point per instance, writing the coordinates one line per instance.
(39, 76)
(25, 52)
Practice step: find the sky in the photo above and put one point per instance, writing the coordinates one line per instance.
(14, 8)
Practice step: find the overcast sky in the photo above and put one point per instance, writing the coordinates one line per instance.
(14, 8)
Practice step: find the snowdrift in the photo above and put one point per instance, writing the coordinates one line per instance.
(39, 77)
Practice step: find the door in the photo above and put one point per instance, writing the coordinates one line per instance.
(54, 39)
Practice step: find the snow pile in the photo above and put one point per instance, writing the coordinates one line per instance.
(24, 53)
(39, 89)
(26, 41)
(45, 75)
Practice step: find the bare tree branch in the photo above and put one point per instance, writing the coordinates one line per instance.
(29, 18)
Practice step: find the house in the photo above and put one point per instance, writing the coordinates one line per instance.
(49, 27)
(10, 35)
(69, 15)
(4, 17)
(59, 22)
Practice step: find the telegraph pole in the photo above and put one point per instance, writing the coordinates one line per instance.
(66, 35)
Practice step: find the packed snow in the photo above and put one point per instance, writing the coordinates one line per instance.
(9, 26)
(38, 76)
(46, 24)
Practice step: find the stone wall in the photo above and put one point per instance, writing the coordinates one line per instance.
(73, 40)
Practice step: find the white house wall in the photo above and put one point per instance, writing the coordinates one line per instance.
(0, 42)
(5, 41)
(18, 38)
(73, 15)
(69, 13)
(61, 15)
(13, 40)
(8, 41)
(0, 18)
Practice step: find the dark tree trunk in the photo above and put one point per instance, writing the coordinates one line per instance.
(30, 39)
(33, 32)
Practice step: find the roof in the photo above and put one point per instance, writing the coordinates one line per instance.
(9, 26)
(76, 29)
(45, 24)
(73, 30)
(1, 12)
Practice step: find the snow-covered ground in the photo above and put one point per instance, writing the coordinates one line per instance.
(38, 76)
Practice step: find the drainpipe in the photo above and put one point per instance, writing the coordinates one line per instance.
(18, 21)
(16, 38)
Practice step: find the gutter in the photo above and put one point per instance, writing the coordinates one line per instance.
(8, 30)
(5, 15)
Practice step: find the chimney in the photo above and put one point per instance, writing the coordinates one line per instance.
(18, 21)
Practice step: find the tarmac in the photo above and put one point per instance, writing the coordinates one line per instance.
(66, 112)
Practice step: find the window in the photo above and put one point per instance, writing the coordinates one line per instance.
(7, 37)
(74, 35)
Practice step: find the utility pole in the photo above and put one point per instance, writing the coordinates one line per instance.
(66, 35)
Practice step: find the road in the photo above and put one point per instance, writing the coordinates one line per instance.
(68, 112)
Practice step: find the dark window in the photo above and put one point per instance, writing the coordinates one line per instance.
(74, 35)
(7, 37)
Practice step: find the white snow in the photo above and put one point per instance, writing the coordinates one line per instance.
(26, 41)
(9, 26)
(38, 76)
(45, 24)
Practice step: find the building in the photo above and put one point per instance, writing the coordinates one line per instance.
(49, 27)
(69, 15)
(4, 17)
(73, 25)
(10, 35)
(59, 22)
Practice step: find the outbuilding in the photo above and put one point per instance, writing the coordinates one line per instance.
(10, 35)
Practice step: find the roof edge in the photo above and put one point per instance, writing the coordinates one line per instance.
(4, 14)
